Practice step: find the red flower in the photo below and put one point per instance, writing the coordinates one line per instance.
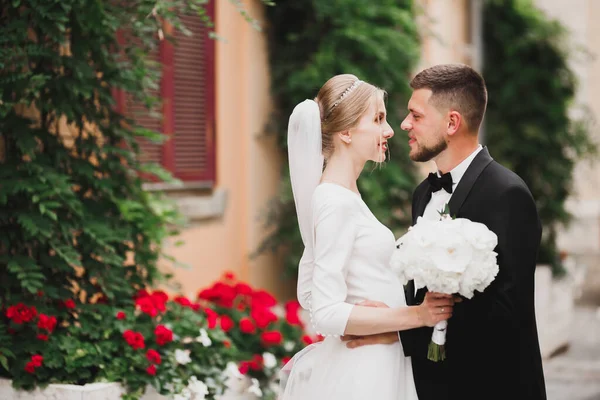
(151, 370)
(226, 323)
(225, 294)
(229, 276)
(121, 315)
(37, 360)
(30, 368)
(263, 317)
(160, 299)
(244, 367)
(43, 337)
(153, 356)
(291, 313)
(147, 306)
(243, 289)
(151, 304)
(141, 293)
(227, 344)
(70, 304)
(183, 301)
(271, 338)
(246, 326)
(134, 339)
(46, 322)
(163, 335)
(286, 360)
(256, 363)
(207, 294)
(195, 306)
(307, 339)
(262, 299)
(211, 317)
(20, 313)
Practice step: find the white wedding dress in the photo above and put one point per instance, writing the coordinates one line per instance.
(352, 251)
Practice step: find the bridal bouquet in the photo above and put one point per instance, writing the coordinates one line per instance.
(447, 256)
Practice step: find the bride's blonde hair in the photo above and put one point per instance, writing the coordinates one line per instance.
(343, 100)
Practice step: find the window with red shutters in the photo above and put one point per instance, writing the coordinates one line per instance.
(187, 93)
(193, 106)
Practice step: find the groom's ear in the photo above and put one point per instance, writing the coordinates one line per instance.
(455, 121)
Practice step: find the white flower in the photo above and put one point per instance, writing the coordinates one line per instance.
(479, 235)
(184, 395)
(255, 388)
(269, 360)
(447, 256)
(278, 310)
(182, 356)
(235, 381)
(232, 370)
(203, 338)
(198, 388)
(289, 345)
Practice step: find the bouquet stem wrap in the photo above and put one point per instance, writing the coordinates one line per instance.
(437, 346)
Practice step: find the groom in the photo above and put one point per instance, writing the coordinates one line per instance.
(492, 349)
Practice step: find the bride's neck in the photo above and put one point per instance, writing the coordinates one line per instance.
(343, 170)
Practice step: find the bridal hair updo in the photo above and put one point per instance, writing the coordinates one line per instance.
(343, 100)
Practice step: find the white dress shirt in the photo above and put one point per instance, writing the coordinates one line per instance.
(440, 198)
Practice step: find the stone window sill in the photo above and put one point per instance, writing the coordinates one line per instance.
(197, 201)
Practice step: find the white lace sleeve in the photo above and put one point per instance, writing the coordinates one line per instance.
(335, 231)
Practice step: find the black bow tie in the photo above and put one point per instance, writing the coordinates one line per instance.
(438, 183)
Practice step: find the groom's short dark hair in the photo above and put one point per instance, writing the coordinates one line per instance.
(455, 86)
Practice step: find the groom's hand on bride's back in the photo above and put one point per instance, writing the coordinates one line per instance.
(381, 338)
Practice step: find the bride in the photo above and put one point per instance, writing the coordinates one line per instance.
(347, 252)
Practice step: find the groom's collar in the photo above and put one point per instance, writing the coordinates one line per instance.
(459, 171)
(476, 167)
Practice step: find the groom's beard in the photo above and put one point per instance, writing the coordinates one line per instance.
(425, 154)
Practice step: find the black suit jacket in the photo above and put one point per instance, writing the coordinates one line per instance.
(492, 346)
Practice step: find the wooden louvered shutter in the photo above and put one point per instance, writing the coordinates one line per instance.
(149, 152)
(193, 103)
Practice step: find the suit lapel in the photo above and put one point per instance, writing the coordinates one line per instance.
(423, 198)
(479, 163)
(422, 204)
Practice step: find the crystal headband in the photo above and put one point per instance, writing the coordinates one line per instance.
(346, 93)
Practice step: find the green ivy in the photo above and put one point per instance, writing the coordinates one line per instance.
(528, 126)
(311, 41)
(75, 222)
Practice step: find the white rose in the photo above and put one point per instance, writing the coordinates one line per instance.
(182, 356)
(479, 235)
(289, 345)
(255, 388)
(198, 388)
(451, 252)
(235, 381)
(269, 360)
(203, 338)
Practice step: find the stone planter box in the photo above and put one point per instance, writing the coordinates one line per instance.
(92, 391)
(554, 304)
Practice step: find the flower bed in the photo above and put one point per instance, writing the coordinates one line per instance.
(231, 336)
